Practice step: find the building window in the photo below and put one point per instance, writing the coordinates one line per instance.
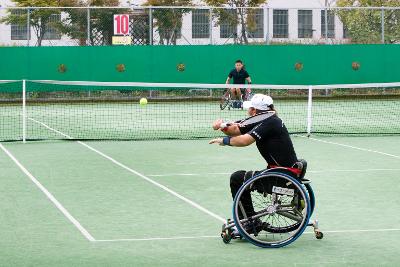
(51, 31)
(201, 23)
(19, 31)
(331, 24)
(255, 23)
(228, 24)
(280, 23)
(305, 27)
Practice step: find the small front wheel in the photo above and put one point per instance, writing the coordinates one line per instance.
(226, 237)
(319, 235)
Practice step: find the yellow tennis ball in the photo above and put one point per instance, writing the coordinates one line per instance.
(143, 101)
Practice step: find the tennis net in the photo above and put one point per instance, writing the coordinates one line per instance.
(40, 110)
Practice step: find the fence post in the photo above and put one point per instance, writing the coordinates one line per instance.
(28, 26)
(383, 25)
(267, 32)
(211, 27)
(24, 111)
(150, 26)
(326, 25)
(88, 27)
(309, 110)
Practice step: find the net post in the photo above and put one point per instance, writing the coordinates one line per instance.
(309, 110)
(24, 111)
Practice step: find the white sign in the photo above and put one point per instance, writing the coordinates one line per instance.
(121, 40)
(121, 24)
(283, 191)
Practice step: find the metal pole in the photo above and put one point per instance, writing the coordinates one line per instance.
(150, 26)
(88, 27)
(24, 111)
(267, 33)
(309, 110)
(211, 27)
(28, 26)
(326, 25)
(383, 24)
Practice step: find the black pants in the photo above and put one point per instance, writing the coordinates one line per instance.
(236, 181)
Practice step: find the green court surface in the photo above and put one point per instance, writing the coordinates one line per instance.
(159, 203)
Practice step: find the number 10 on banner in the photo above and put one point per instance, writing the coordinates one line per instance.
(121, 24)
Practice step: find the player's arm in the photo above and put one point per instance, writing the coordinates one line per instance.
(228, 79)
(231, 130)
(248, 79)
(239, 141)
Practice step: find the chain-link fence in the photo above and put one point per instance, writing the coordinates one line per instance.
(82, 26)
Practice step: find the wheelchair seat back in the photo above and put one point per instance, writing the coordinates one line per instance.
(302, 166)
(298, 169)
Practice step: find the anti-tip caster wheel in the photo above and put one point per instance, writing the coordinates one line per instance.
(226, 237)
(319, 235)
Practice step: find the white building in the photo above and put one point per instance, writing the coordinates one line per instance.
(301, 21)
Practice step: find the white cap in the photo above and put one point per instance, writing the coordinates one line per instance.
(259, 102)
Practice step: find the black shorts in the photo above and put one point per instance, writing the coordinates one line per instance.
(242, 91)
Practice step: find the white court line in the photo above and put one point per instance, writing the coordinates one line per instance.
(349, 146)
(216, 236)
(188, 174)
(227, 173)
(190, 202)
(358, 231)
(56, 203)
(158, 238)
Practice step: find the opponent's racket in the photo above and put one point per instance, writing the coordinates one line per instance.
(250, 120)
(225, 99)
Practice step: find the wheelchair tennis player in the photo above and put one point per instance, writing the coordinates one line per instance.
(272, 139)
(234, 97)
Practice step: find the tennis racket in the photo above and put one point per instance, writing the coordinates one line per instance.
(225, 99)
(250, 120)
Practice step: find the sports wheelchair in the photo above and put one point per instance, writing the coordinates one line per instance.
(283, 203)
(227, 101)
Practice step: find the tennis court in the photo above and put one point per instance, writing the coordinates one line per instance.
(162, 203)
(104, 135)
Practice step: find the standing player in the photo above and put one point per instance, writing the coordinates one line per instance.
(240, 76)
(271, 137)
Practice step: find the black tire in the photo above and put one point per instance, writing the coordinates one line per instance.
(268, 181)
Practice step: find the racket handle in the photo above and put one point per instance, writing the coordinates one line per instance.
(223, 125)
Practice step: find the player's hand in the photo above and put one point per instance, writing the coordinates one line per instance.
(218, 141)
(217, 124)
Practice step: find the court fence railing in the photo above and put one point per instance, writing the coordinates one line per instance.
(151, 25)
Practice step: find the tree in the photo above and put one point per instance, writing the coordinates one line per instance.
(237, 14)
(168, 21)
(73, 22)
(39, 19)
(101, 21)
(364, 25)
